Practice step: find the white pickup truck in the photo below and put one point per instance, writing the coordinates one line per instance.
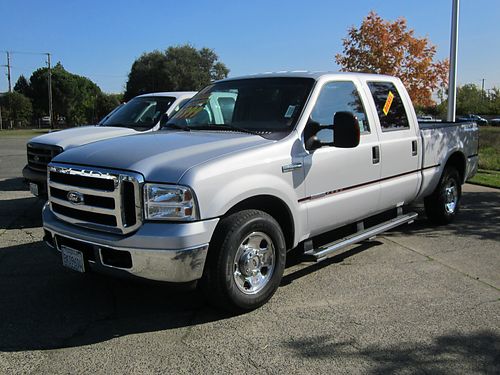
(142, 113)
(249, 169)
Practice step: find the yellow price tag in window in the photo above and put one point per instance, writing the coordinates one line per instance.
(388, 103)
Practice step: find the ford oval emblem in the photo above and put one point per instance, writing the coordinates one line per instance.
(75, 197)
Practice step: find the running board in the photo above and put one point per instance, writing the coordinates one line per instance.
(322, 252)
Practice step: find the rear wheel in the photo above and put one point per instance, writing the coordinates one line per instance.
(246, 261)
(442, 206)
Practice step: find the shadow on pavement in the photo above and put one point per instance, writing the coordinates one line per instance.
(14, 184)
(313, 267)
(477, 352)
(44, 306)
(479, 217)
(21, 213)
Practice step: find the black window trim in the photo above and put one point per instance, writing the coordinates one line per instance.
(392, 129)
(364, 132)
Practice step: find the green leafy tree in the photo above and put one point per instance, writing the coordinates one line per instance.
(179, 68)
(16, 109)
(471, 99)
(74, 96)
(105, 104)
(494, 98)
(22, 86)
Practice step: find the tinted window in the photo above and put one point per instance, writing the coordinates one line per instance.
(141, 112)
(390, 108)
(260, 104)
(338, 97)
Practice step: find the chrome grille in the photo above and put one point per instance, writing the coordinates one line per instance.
(39, 155)
(96, 198)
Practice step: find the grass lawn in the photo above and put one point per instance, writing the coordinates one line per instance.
(486, 178)
(489, 148)
(489, 157)
(22, 132)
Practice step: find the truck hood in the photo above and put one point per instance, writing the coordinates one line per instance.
(160, 156)
(75, 137)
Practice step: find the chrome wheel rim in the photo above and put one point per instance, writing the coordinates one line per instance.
(253, 264)
(451, 196)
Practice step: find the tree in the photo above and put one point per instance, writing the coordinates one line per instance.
(74, 96)
(386, 47)
(22, 86)
(179, 68)
(471, 99)
(105, 104)
(16, 109)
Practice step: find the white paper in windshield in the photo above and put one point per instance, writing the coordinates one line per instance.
(290, 111)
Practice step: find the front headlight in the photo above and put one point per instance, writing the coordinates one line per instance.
(169, 202)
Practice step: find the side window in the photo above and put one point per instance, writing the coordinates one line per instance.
(390, 108)
(336, 97)
(226, 105)
(179, 106)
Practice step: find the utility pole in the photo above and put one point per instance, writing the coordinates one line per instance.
(50, 91)
(1, 122)
(452, 84)
(8, 71)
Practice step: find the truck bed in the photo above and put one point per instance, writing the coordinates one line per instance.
(440, 140)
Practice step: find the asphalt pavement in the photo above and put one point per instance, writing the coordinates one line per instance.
(418, 299)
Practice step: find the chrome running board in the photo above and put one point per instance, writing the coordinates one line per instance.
(322, 252)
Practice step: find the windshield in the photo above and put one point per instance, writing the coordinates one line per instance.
(260, 105)
(141, 112)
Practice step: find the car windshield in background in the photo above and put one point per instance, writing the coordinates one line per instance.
(259, 105)
(141, 112)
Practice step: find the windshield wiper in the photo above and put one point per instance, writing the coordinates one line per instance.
(224, 127)
(176, 126)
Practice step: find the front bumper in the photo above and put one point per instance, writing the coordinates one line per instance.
(173, 252)
(40, 178)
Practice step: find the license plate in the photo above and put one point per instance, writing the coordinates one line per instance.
(34, 189)
(72, 258)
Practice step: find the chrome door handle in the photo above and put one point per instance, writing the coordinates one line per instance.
(291, 167)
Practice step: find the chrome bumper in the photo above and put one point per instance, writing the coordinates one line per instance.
(157, 251)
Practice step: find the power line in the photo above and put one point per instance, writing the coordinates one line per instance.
(26, 53)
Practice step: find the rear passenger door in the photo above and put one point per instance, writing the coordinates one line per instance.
(399, 144)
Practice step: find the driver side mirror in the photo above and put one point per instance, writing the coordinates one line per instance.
(344, 133)
(346, 130)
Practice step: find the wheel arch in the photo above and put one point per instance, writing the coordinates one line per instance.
(457, 160)
(273, 206)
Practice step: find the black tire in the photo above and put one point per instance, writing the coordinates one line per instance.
(221, 284)
(443, 204)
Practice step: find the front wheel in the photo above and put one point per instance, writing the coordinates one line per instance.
(442, 205)
(246, 261)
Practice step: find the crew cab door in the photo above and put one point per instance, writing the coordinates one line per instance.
(400, 145)
(341, 183)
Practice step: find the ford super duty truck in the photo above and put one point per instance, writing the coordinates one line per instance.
(249, 169)
(143, 113)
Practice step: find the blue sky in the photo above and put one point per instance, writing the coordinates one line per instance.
(101, 39)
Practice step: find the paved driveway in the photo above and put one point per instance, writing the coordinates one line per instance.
(418, 299)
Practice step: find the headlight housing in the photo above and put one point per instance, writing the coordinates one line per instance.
(169, 202)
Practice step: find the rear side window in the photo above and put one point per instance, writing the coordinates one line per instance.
(390, 108)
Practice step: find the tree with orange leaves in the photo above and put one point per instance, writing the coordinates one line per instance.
(386, 47)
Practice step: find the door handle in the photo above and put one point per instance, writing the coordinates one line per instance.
(414, 148)
(375, 154)
(291, 167)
